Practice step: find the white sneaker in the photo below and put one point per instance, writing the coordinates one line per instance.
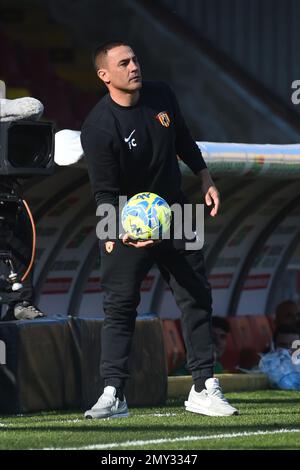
(108, 406)
(210, 401)
(25, 311)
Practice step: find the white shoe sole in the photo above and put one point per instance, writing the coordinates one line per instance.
(205, 411)
(94, 415)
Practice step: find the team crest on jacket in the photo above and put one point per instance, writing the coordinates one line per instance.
(109, 246)
(163, 118)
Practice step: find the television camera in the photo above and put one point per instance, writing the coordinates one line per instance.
(26, 150)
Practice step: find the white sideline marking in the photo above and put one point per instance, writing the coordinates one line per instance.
(111, 445)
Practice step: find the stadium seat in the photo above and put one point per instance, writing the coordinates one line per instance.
(179, 329)
(174, 347)
(244, 341)
(230, 358)
(261, 330)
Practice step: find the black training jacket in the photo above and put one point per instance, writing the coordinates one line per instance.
(134, 149)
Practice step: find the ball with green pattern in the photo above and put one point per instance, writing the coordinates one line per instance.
(146, 216)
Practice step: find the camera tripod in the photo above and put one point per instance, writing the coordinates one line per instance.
(16, 254)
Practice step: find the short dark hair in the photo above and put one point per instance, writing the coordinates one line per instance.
(102, 49)
(222, 323)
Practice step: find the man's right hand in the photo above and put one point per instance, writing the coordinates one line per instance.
(138, 243)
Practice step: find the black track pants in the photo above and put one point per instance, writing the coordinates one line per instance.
(122, 272)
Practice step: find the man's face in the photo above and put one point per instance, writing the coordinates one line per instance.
(121, 70)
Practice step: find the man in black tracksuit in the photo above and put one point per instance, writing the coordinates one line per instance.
(131, 140)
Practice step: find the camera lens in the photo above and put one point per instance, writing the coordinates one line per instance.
(29, 145)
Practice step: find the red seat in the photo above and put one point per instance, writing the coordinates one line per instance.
(179, 329)
(175, 351)
(261, 330)
(241, 332)
(244, 341)
(230, 358)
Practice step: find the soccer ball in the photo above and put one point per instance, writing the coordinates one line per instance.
(146, 216)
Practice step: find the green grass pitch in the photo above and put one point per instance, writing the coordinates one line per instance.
(268, 420)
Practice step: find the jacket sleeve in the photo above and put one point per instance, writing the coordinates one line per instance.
(186, 147)
(102, 163)
(102, 160)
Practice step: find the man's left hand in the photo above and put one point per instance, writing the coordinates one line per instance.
(212, 197)
(210, 192)
(138, 243)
